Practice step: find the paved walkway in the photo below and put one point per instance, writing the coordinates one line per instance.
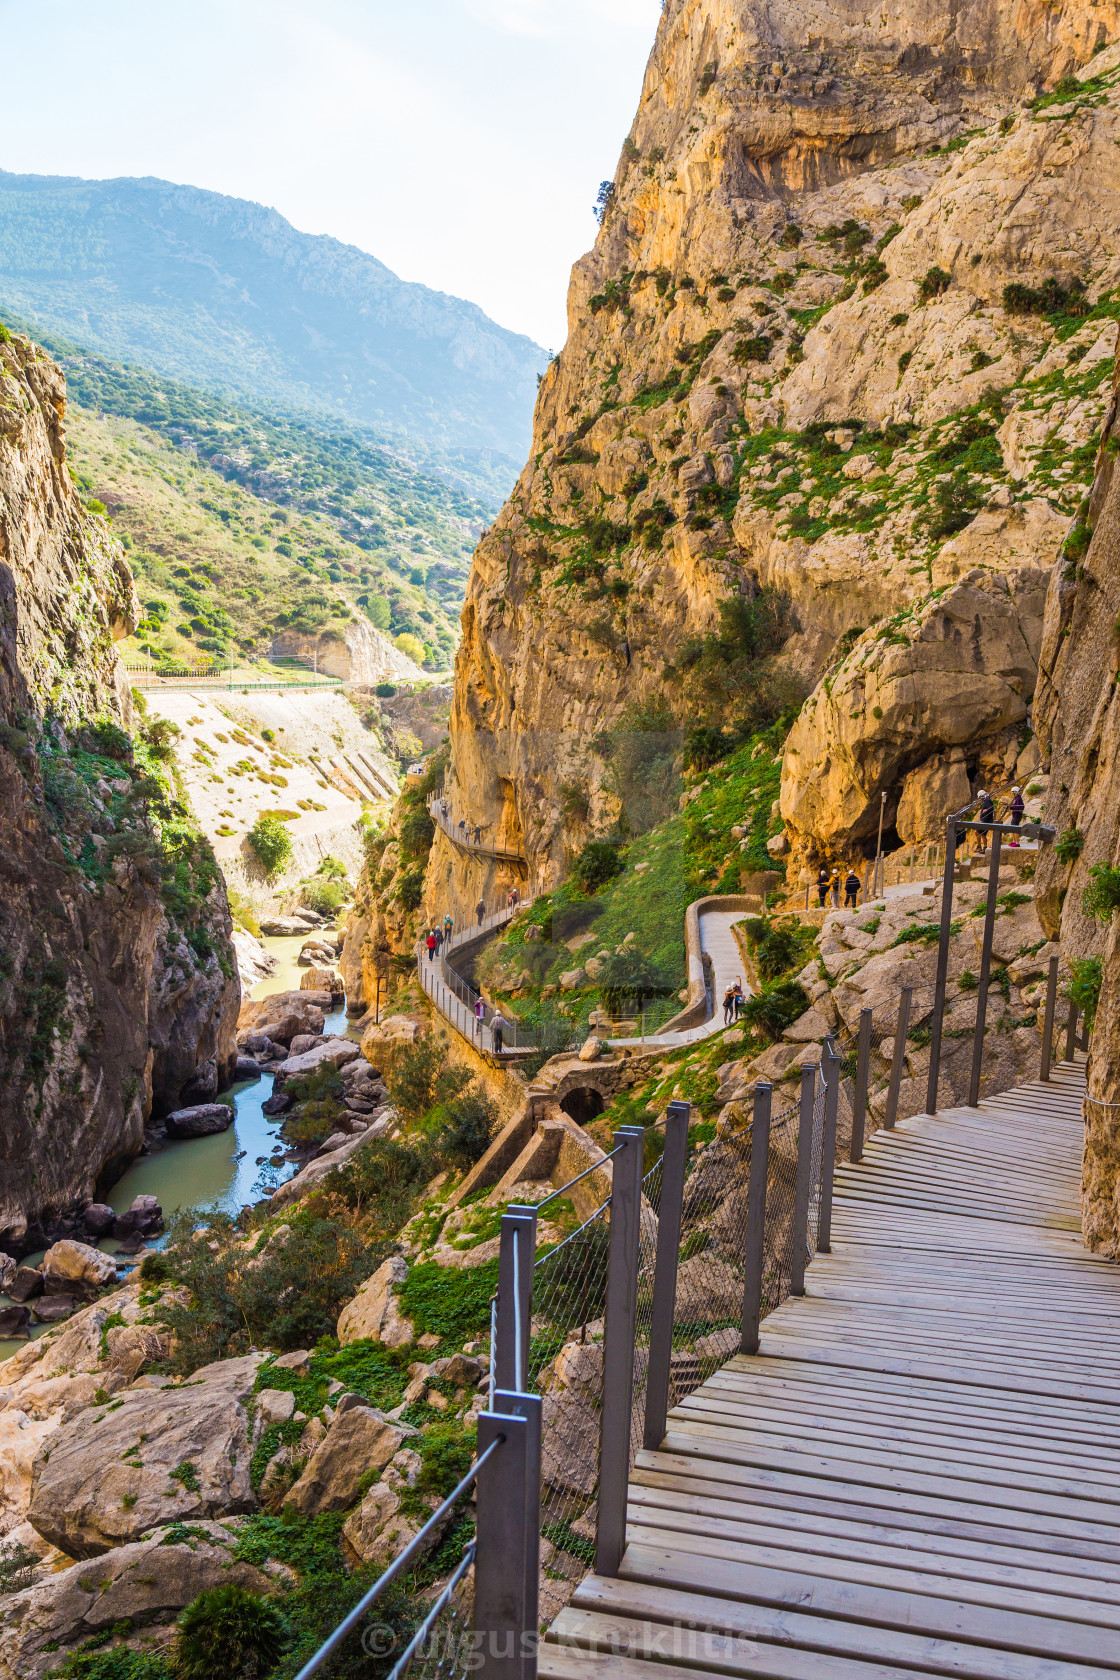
(918, 1474)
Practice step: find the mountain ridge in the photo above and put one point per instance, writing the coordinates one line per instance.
(220, 290)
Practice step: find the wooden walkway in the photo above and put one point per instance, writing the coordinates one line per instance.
(920, 1471)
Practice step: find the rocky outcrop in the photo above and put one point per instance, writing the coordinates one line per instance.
(791, 366)
(158, 1456)
(144, 1584)
(117, 993)
(1079, 710)
(359, 654)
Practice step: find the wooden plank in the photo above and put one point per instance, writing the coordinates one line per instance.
(936, 1616)
(587, 1654)
(906, 1651)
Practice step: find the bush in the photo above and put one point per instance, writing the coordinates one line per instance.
(1084, 988)
(325, 897)
(596, 864)
(775, 1007)
(381, 1181)
(287, 1297)
(755, 349)
(410, 889)
(118, 1664)
(1068, 845)
(417, 831)
(1051, 298)
(449, 1301)
(630, 976)
(411, 646)
(933, 283)
(780, 948)
(422, 1076)
(271, 842)
(385, 691)
(468, 1126)
(229, 1633)
(1102, 896)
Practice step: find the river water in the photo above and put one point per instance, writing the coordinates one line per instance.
(220, 1171)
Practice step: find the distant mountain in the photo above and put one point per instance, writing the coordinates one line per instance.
(225, 293)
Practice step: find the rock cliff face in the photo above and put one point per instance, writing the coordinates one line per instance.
(1079, 716)
(117, 988)
(792, 365)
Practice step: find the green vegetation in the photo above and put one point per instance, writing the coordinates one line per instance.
(1069, 844)
(229, 1633)
(1084, 987)
(271, 841)
(449, 1301)
(1101, 897)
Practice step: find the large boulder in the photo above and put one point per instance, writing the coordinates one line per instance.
(201, 1121)
(160, 1455)
(293, 1188)
(357, 1442)
(284, 927)
(369, 1533)
(383, 1043)
(283, 1014)
(931, 793)
(322, 980)
(335, 1052)
(145, 1583)
(373, 1314)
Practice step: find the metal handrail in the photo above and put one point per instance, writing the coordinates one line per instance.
(415, 1545)
(442, 818)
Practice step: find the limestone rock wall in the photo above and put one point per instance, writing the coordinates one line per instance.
(789, 364)
(110, 1002)
(1079, 710)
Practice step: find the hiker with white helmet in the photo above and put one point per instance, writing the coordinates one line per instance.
(1018, 806)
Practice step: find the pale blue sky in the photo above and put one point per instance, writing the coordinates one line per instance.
(461, 141)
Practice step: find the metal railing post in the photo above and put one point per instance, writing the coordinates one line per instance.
(507, 1541)
(516, 1253)
(831, 1069)
(1071, 1032)
(1048, 1020)
(799, 1232)
(753, 1249)
(985, 971)
(898, 1058)
(618, 1350)
(942, 964)
(859, 1107)
(673, 1163)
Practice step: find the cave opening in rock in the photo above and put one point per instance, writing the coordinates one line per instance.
(583, 1104)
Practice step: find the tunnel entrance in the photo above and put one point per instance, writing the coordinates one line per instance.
(583, 1104)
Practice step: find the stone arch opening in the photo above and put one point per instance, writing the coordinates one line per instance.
(583, 1104)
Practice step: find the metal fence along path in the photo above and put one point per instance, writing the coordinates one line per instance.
(916, 1473)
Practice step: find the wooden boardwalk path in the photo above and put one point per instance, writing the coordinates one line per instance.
(919, 1473)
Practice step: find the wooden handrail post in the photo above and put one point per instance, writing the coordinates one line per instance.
(859, 1108)
(898, 1059)
(942, 964)
(754, 1249)
(1048, 1020)
(618, 1350)
(985, 971)
(830, 1067)
(673, 1163)
(799, 1231)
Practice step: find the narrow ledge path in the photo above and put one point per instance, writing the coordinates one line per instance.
(917, 1474)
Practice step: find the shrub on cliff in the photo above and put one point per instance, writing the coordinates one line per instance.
(229, 1633)
(466, 1127)
(422, 1076)
(596, 864)
(271, 842)
(775, 1007)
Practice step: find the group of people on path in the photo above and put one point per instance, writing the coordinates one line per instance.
(438, 936)
(828, 886)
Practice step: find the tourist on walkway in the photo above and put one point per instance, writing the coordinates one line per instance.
(438, 931)
(480, 911)
(432, 944)
(851, 889)
(480, 1009)
(448, 924)
(834, 888)
(986, 814)
(737, 996)
(729, 1006)
(822, 883)
(462, 827)
(477, 833)
(498, 1025)
(1015, 814)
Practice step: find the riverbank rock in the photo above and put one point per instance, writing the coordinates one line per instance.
(284, 927)
(383, 1042)
(358, 1441)
(146, 1583)
(161, 1455)
(254, 963)
(15, 1322)
(374, 1312)
(322, 980)
(303, 1181)
(334, 1052)
(25, 1283)
(282, 1015)
(201, 1121)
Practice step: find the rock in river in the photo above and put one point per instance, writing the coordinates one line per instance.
(201, 1121)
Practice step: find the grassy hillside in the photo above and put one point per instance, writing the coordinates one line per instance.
(218, 569)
